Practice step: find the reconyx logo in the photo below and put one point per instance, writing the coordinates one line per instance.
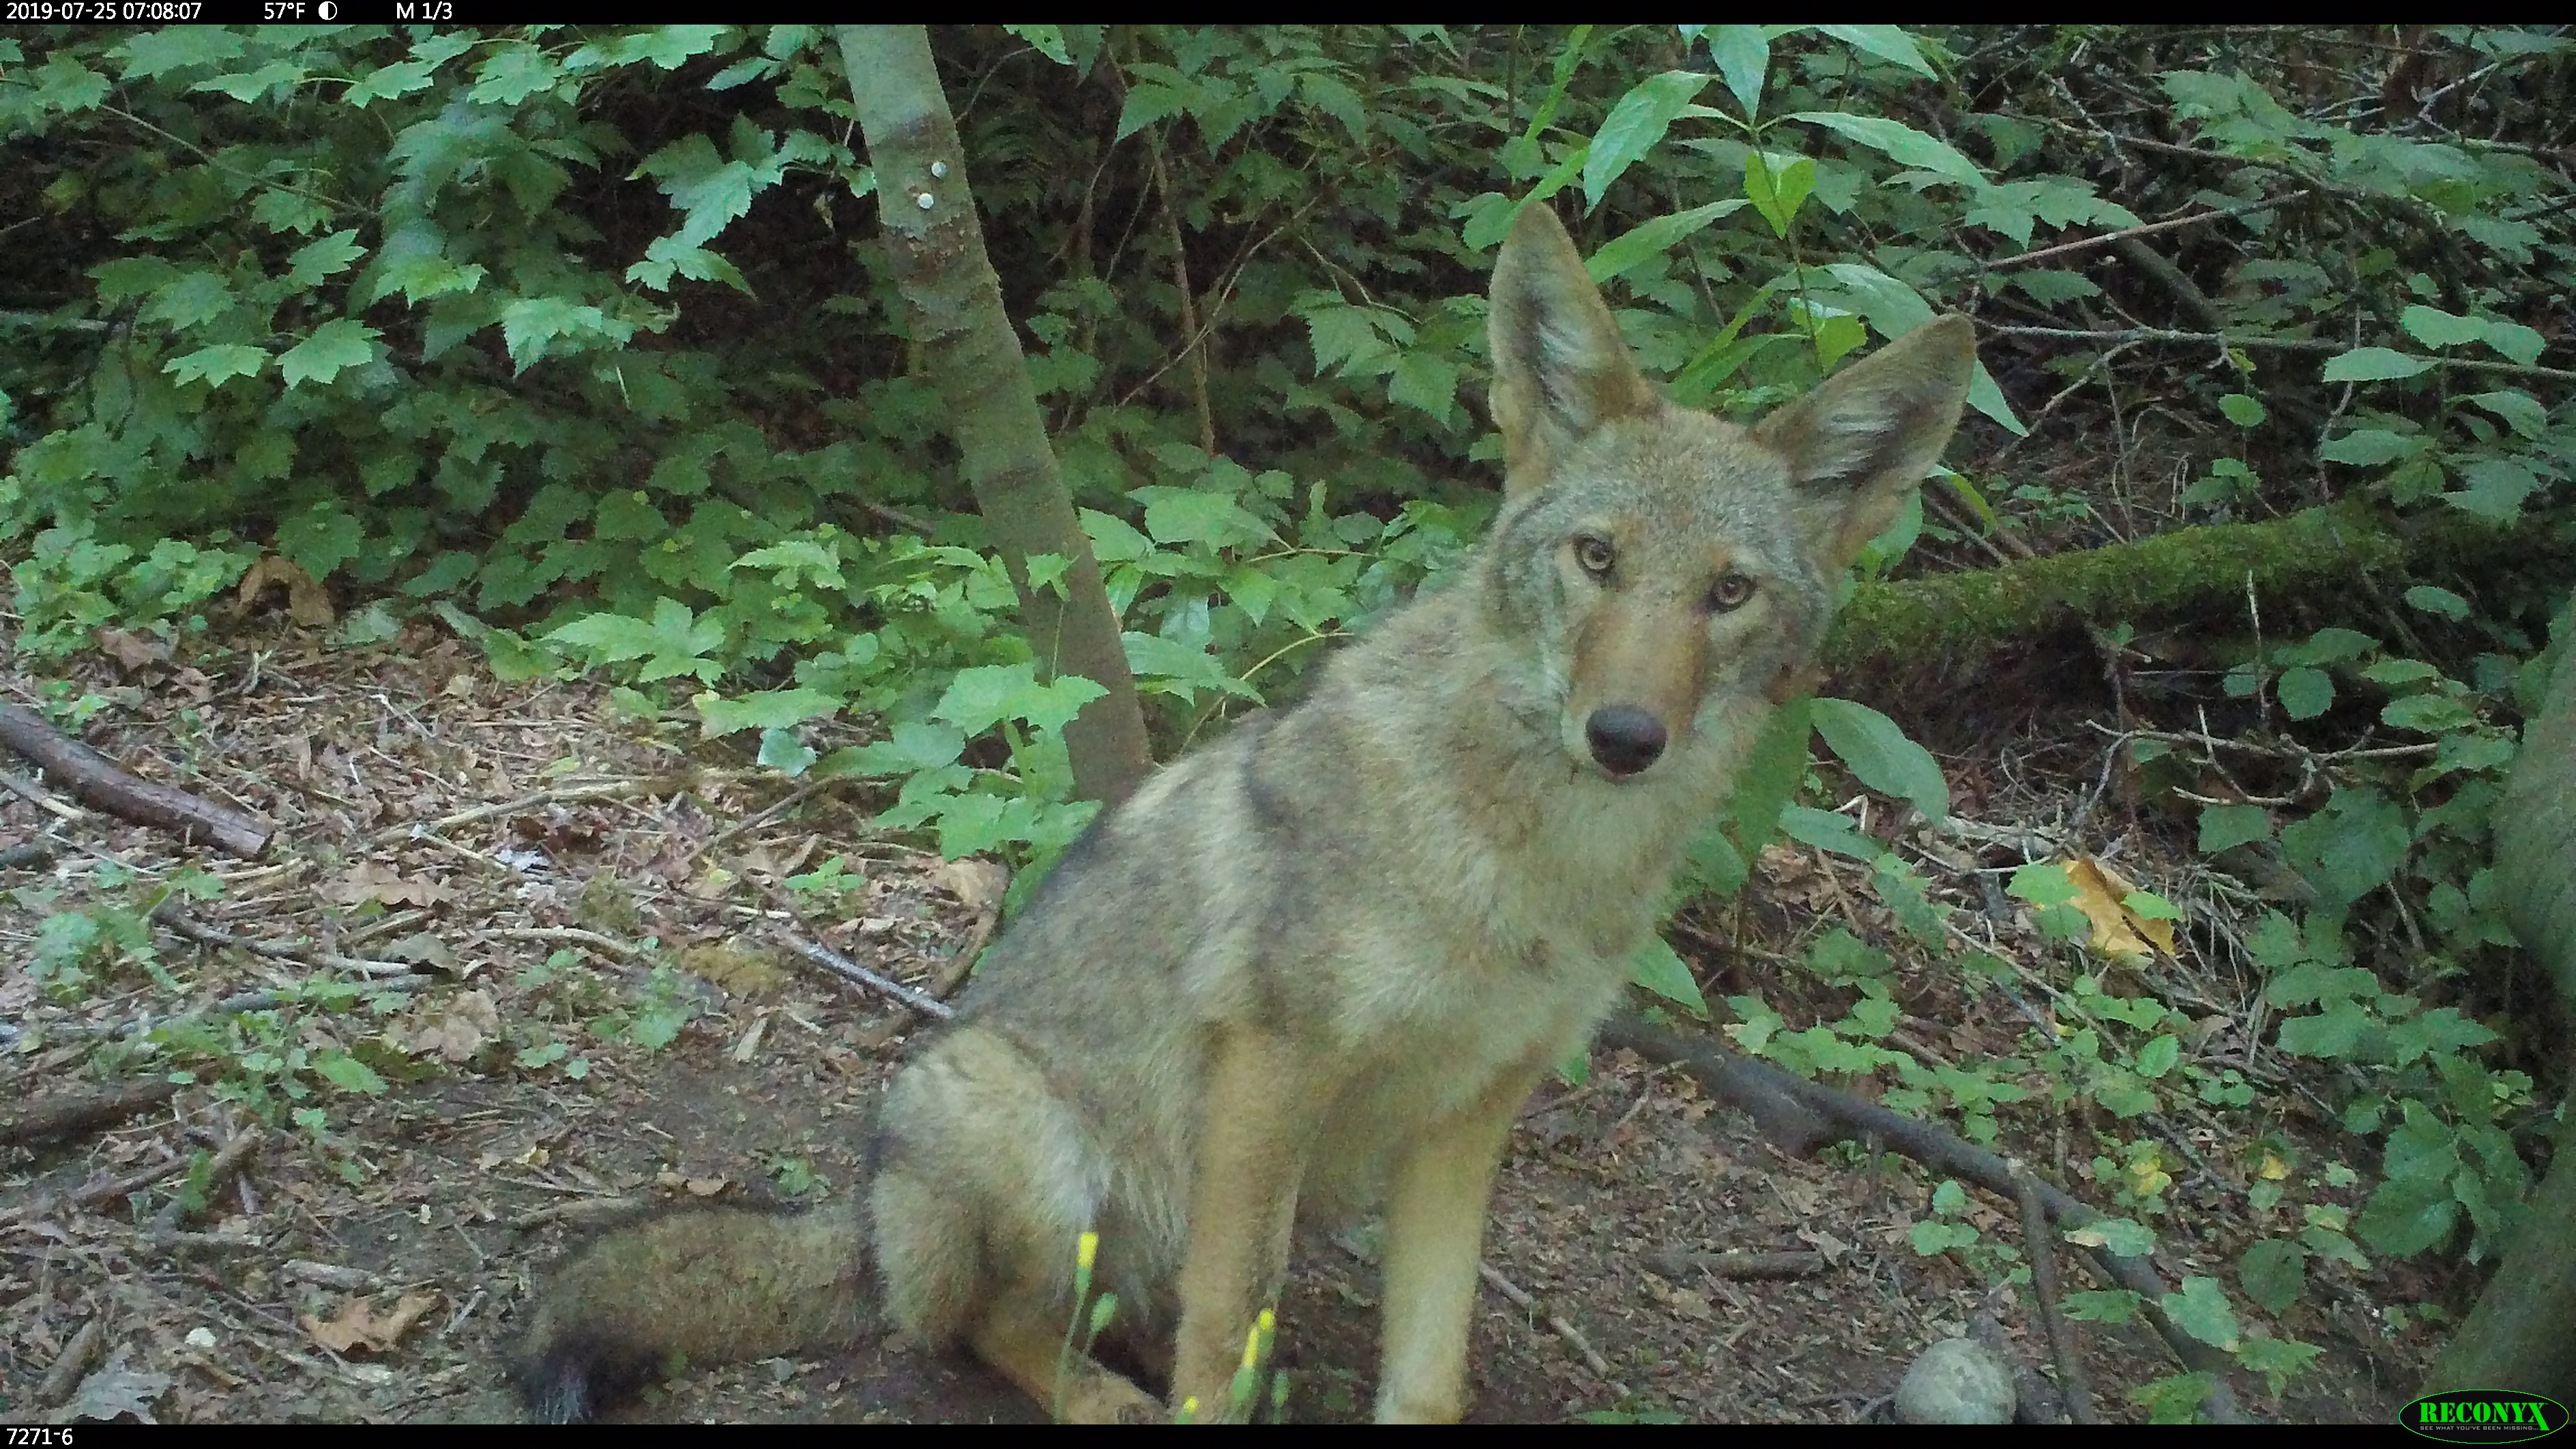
(2483, 1416)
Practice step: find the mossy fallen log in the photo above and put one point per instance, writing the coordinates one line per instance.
(2318, 552)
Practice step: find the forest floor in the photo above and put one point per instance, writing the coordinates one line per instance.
(520, 845)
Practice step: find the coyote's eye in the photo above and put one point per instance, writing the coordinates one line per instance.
(1729, 592)
(1596, 555)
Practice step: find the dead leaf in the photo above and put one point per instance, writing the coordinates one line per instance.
(192, 682)
(2117, 930)
(1680, 1300)
(132, 649)
(422, 949)
(693, 1186)
(360, 1328)
(306, 603)
(974, 881)
(374, 881)
(456, 1034)
(1832, 1247)
(116, 1392)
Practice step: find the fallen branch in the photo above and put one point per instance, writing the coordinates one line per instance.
(2073, 1383)
(71, 1364)
(858, 975)
(1573, 1337)
(1741, 1267)
(44, 1119)
(169, 914)
(89, 1194)
(94, 778)
(1756, 1087)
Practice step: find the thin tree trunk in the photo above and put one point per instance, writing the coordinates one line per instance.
(936, 246)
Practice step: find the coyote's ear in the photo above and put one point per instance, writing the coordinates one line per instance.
(1560, 366)
(1857, 446)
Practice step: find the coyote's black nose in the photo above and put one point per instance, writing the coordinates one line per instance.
(1624, 739)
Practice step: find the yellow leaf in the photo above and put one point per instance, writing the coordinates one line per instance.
(2117, 930)
(2273, 1167)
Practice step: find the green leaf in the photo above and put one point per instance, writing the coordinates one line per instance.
(2407, 1215)
(769, 709)
(1743, 56)
(2496, 488)
(1900, 143)
(2243, 411)
(1635, 124)
(2437, 601)
(2043, 883)
(2201, 1309)
(2225, 826)
(190, 300)
(386, 82)
(320, 539)
(2368, 447)
(1654, 238)
(2102, 1305)
(1881, 755)
(2430, 714)
(1047, 40)
(2274, 1273)
(334, 347)
(1425, 381)
(327, 257)
(2374, 364)
(1887, 42)
(285, 211)
(159, 52)
(215, 365)
(2305, 693)
(248, 86)
(2436, 328)
(2158, 1056)
(978, 699)
(1825, 830)
(348, 1073)
(1658, 969)
(1777, 186)
(2520, 410)
(2119, 1237)
(2515, 341)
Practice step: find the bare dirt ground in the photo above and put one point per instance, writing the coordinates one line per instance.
(522, 845)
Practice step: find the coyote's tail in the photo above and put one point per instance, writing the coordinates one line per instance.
(711, 1286)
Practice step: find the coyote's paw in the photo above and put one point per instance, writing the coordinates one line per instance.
(1106, 1398)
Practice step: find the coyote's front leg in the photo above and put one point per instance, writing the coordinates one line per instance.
(1435, 1227)
(1257, 1116)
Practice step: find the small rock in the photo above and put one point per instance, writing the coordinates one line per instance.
(1956, 1382)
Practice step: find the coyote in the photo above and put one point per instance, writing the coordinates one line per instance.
(1318, 965)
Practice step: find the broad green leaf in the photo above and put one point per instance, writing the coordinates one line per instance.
(2368, 447)
(1650, 239)
(2119, 1237)
(158, 52)
(1777, 186)
(1881, 755)
(1425, 381)
(2159, 1056)
(1887, 42)
(978, 699)
(2515, 341)
(348, 1073)
(2305, 693)
(334, 347)
(2495, 488)
(1743, 55)
(2407, 1215)
(2436, 328)
(1826, 830)
(2102, 1305)
(2226, 826)
(782, 751)
(327, 257)
(2043, 883)
(2520, 410)
(2437, 601)
(769, 709)
(2274, 1273)
(2242, 410)
(214, 365)
(1635, 124)
(2374, 364)
(2201, 1309)
(248, 86)
(1658, 969)
(320, 539)
(1900, 143)
(386, 82)
(1047, 40)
